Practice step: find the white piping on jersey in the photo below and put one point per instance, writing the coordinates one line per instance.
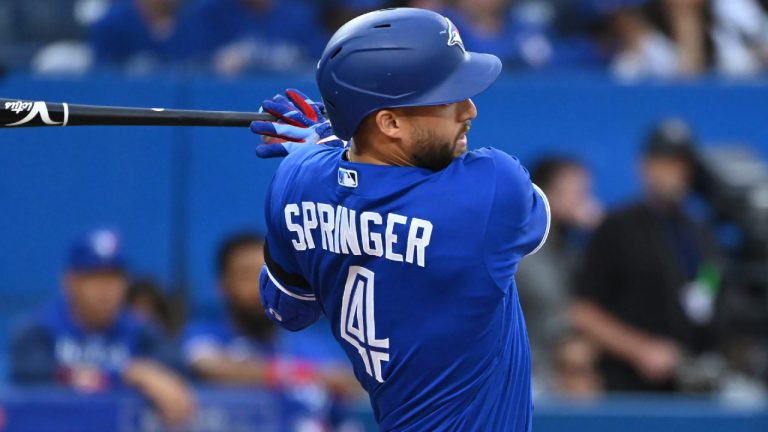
(308, 297)
(549, 218)
(327, 139)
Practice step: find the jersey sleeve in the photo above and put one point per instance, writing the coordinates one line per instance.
(281, 265)
(519, 219)
(286, 294)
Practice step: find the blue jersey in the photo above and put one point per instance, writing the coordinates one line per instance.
(53, 344)
(415, 271)
(224, 339)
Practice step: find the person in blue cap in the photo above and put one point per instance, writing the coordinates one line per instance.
(405, 239)
(88, 341)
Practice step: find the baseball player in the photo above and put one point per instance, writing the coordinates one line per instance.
(405, 240)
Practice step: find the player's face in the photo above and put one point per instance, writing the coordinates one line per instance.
(241, 278)
(438, 134)
(96, 298)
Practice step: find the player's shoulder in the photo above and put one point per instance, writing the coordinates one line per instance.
(501, 164)
(303, 156)
(493, 154)
(307, 165)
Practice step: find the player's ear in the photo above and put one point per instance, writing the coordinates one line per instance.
(389, 123)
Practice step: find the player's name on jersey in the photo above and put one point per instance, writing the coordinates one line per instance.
(342, 230)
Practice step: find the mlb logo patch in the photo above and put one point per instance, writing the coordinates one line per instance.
(347, 178)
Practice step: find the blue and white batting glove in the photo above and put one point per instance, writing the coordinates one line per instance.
(299, 121)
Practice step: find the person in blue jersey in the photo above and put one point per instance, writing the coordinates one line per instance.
(231, 350)
(242, 36)
(407, 241)
(247, 348)
(142, 36)
(89, 342)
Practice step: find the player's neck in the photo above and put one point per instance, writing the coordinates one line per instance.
(371, 154)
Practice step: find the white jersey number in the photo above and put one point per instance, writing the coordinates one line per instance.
(358, 325)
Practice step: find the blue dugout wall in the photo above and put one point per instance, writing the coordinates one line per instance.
(175, 192)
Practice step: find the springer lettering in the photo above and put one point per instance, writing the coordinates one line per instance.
(346, 231)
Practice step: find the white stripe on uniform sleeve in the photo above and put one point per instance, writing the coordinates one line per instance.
(305, 297)
(549, 218)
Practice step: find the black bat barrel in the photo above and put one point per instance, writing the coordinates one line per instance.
(21, 113)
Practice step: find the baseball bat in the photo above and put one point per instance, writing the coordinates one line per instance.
(21, 113)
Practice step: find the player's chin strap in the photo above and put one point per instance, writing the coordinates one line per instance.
(282, 275)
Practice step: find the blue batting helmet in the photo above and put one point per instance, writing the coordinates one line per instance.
(394, 58)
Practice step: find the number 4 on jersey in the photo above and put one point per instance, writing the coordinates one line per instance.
(358, 324)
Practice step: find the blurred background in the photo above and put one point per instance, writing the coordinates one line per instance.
(129, 256)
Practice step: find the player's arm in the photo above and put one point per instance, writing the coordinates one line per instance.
(287, 297)
(519, 219)
(538, 222)
(521, 208)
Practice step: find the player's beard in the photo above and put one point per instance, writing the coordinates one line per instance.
(433, 151)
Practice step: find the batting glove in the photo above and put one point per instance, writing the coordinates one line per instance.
(299, 120)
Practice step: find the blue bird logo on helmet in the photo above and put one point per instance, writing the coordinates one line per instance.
(454, 38)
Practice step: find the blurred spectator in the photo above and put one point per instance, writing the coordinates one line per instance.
(644, 38)
(88, 341)
(44, 21)
(141, 36)
(48, 33)
(217, 351)
(545, 280)
(246, 348)
(250, 35)
(493, 26)
(147, 300)
(522, 33)
(678, 38)
(337, 12)
(740, 36)
(574, 368)
(688, 25)
(651, 277)
(639, 48)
